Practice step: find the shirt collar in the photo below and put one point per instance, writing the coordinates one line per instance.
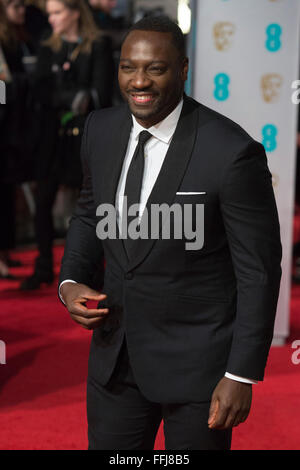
(163, 130)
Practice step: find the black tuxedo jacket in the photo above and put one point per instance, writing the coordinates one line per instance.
(188, 316)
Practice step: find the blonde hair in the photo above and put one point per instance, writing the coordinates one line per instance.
(88, 30)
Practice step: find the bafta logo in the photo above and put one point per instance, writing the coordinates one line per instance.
(223, 32)
(270, 86)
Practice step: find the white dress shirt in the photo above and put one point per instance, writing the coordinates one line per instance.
(155, 151)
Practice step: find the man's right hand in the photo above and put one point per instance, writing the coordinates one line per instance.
(75, 295)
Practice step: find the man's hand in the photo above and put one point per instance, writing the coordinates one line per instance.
(75, 296)
(230, 404)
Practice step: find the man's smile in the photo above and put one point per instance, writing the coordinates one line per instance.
(142, 98)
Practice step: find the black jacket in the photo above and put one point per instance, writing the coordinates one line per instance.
(55, 90)
(16, 119)
(189, 316)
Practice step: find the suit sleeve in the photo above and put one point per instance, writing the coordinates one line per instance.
(83, 254)
(251, 223)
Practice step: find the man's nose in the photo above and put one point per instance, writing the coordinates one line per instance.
(141, 80)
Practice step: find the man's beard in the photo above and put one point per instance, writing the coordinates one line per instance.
(158, 110)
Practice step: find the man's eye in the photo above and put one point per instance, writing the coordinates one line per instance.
(126, 67)
(156, 69)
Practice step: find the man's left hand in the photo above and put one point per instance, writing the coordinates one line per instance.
(230, 404)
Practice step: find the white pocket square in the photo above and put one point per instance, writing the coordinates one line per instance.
(190, 193)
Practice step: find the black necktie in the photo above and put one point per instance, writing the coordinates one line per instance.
(134, 181)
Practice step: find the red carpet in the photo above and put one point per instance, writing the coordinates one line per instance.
(42, 385)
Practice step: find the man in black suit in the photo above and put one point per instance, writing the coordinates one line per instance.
(180, 334)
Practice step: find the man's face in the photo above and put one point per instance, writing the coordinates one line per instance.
(151, 75)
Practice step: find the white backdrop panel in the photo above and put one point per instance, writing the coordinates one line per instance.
(246, 57)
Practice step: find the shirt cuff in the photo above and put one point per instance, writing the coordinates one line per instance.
(240, 379)
(63, 282)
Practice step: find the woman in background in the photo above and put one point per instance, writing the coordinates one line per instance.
(74, 75)
(15, 125)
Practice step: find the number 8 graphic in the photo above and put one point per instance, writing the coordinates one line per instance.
(269, 133)
(273, 42)
(221, 91)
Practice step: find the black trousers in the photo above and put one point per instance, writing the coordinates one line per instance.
(45, 197)
(120, 417)
(8, 211)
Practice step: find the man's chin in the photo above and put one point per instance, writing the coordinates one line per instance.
(143, 114)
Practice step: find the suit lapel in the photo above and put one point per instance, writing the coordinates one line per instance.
(171, 173)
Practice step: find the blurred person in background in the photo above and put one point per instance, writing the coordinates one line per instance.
(16, 139)
(115, 28)
(102, 13)
(36, 19)
(74, 75)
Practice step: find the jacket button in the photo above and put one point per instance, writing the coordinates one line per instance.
(128, 276)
